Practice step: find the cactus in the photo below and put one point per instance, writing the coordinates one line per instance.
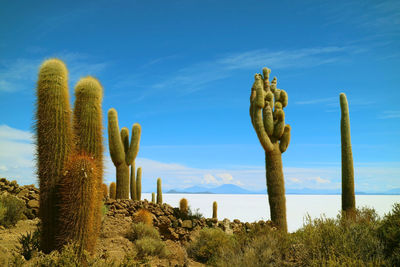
(133, 182)
(215, 207)
(104, 190)
(88, 129)
(139, 184)
(268, 119)
(54, 140)
(78, 203)
(348, 197)
(159, 191)
(183, 206)
(153, 198)
(122, 153)
(113, 190)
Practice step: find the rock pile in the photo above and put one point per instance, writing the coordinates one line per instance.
(171, 223)
(28, 193)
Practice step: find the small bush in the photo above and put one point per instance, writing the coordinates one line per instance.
(11, 210)
(143, 216)
(149, 246)
(29, 244)
(210, 245)
(141, 230)
(389, 233)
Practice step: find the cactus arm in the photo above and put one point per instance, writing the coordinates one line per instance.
(133, 181)
(125, 139)
(285, 139)
(114, 140)
(280, 123)
(258, 105)
(139, 184)
(134, 146)
(268, 119)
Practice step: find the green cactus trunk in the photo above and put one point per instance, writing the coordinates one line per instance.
(133, 182)
(276, 187)
(113, 190)
(348, 196)
(54, 139)
(153, 198)
(88, 126)
(79, 204)
(139, 184)
(122, 181)
(159, 192)
(215, 210)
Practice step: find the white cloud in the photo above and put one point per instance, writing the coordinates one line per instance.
(390, 114)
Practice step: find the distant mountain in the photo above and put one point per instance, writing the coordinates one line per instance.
(234, 189)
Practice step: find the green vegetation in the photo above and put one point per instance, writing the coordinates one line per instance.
(133, 182)
(113, 190)
(159, 191)
(29, 244)
(268, 119)
(139, 184)
(11, 210)
(215, 210)
(183, 206)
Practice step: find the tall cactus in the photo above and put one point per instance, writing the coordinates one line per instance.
(133, 181)
(159, 191)
(54, 140)
(139, 184)
(79, 203)
(183, 206)
(215, 210)
(348, 197)
(122, 153)
(153, 198)
(268, 119)
(113, 190)
(88, 127)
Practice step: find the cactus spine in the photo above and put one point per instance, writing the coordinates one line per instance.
(153, 198)
(139, 184)
(122, 153)
(159, 191)
(133, 181)
(54, 143)
(88, 129)
(215, 207)
(268, 119)
(79, 203)
(183, 206)
(348, 196)
(113, 190)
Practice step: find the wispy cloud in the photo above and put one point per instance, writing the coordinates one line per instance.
(196, 76)
(21, 74)
(390, 114)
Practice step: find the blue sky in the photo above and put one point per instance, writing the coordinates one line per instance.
(184, 69)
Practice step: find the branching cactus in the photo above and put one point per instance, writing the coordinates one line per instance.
(54, 143)
(348, 197)
(113, 190)
(268, 118)
(133, 181)
(122, 153)
(159, 191)
(139, 184)
(215, 210)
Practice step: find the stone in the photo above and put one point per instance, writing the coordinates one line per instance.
(33, 204)
(187, 224)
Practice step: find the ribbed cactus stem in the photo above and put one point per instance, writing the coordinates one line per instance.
(348, 196)
(113, 190)
(153, 198)
(183, 206)
(215, 210)
(139, 184)
(88, 127)
(133, 182)
(104, 190)
(268, 120)
(122, 153)
(79, 201)
(54, 139)
(159, 191)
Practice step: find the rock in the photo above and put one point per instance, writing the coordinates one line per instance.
(187, 224)
(227, 227)
(33, 204)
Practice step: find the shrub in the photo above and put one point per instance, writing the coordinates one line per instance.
(11, 210)
(210, 245)
(143, 216)
(194, 214)
(29, 244)
(148, 246)
(141, 230)
(389, 233)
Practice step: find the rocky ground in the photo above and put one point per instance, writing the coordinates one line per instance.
(176, 229)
